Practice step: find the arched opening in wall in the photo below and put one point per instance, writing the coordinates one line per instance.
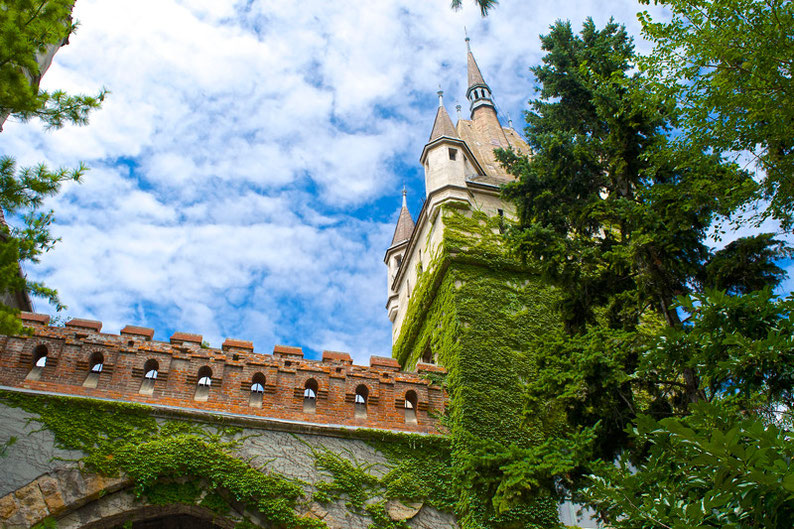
(117, 510)
(97, 363)
(362, 395)
(310, 396)
(203, 385)
(428, 357)
(178, 521)
(150, 369)
(39, 362)
(411, 402)
(257, 390)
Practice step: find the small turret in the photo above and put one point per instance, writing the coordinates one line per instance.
(405, 224)
(396, 253)
(446, 158)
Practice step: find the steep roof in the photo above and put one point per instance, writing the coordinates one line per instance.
(475, 77)
(485, 136)
(405, 224)
(443, 126)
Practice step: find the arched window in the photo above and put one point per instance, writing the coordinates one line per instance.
(428, 356)
(362, 394)
(204, 378)
(411, 402)
(150, 369)
(96, 364)
(40, 356)
(310, 396)
(257, 390)
(39, 362)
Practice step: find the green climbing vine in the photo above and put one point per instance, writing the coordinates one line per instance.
(418, 470)
(166, 460)
(480, 310)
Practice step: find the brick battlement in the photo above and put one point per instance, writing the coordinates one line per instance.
(130, 366)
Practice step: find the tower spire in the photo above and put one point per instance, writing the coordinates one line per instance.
(442, 126)
(405, 224)
(478, 93)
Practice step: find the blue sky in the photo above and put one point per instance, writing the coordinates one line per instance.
(246, 168)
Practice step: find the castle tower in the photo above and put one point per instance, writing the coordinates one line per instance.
(460, 299)
(461, 171)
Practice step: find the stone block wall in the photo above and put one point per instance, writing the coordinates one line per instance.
(41, 481)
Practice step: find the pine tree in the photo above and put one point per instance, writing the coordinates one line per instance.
(30, 33)
(615, 212)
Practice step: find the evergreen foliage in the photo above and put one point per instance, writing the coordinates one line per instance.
(726, 462)
(674, 397)
(29, 29)
(727, 65)
(615, 213)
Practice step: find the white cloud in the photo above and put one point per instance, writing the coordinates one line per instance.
(248, 160)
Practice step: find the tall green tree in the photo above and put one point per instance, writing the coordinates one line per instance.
(729, 65)
(31, 31)
(615, 212)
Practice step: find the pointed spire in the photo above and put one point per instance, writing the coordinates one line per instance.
(442, 126)
(478, 93)
(405, 224)
(475, 76)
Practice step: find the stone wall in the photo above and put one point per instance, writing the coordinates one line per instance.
(43, 481)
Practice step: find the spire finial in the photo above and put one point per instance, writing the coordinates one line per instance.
(457, 107)
(404, 194)
(468, 40)
(440, 96)
(509, 121)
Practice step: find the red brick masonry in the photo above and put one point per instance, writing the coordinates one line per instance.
(72, 350)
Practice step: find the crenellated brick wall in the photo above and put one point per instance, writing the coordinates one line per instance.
(72, 351)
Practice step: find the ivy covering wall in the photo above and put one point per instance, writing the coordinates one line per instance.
(200, 463)
(479, 311)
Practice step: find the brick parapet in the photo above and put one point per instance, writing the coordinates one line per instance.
(126, 357)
